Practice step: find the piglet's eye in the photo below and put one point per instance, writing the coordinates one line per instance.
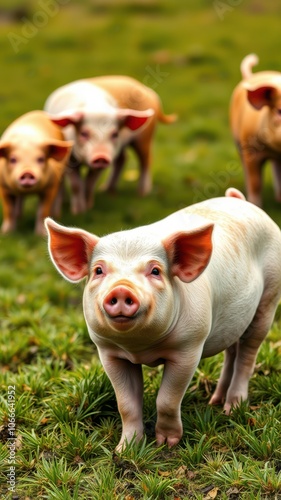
(98, 270)
(114, 135)
(84, 134)
(155, 271)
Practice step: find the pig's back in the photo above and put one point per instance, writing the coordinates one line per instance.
(228, 213)
(128, 92)
(246, 261)
(240, 222)
(81, 94)
(34, 125)
(230, 209)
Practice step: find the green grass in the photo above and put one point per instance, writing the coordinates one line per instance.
(67, 423)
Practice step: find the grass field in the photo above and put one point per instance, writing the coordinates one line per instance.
(67, 423)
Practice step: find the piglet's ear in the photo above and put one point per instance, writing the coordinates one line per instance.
(134, 119)
(260, 96)
(189, 252)
(4, 149)
(59, 150)
(70, 250)
(69, 117)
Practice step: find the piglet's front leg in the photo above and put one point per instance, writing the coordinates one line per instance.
(127, 381)
(11, 210)
(46, 201)
(176, 378)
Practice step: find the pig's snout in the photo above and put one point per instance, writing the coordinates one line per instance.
(27, 179)
(100, 161)
(121, 302)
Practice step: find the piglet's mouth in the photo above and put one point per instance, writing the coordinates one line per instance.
(122, 319)
(122, 322)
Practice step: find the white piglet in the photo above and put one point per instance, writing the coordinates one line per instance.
(103, 116)
(205, 279)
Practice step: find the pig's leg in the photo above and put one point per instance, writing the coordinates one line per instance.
(143, 152)
(57, 205)
(276, 169)
(226, 375)
(46, 201)
(248, 349)
(127, 381)
(77, 188)
(90, 183)
(77, 201)
(253, 171)
(176, 378)
(10, 211)
(115, 173)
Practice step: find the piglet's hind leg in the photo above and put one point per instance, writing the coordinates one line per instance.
(226, 375)
(248, 349)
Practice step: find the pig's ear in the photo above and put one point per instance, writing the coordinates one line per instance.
(70, 250)
(4, 149)
(189, 252)
(70, 117)
(132, 118)
(59, 150)
(260, 96)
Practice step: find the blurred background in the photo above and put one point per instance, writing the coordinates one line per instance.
(189, 54)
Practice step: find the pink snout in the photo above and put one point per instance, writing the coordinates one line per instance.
(120, 302)
(27, 179)
(100, 161)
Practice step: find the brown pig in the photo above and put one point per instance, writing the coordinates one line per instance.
(33, 155)
(255, 117)
(203, 280)
(103, 116)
